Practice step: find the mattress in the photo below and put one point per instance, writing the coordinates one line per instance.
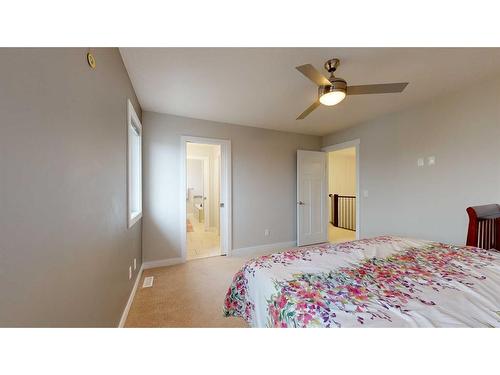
(378, 282)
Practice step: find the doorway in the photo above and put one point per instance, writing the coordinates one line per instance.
(205, 197)
(342, 195)
(327, 206)
(343, 182)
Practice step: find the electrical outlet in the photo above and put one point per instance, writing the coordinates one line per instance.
(431, 160)
(266, 232)
(130, 272)
(135, 264)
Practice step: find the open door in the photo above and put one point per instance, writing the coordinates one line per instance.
(312, 214)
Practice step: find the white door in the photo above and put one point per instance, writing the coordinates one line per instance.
(312, 213)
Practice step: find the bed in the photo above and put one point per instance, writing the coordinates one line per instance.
(379, 282)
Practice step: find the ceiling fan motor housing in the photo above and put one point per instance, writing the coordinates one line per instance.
(337, 84)
(332, 65)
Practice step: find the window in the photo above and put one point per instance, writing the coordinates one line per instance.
(134, 131)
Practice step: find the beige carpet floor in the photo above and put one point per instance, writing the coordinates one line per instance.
(186, 295)
(192, 294)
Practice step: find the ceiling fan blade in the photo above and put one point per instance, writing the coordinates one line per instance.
(309, 109)
(310, 72)
(384, 88)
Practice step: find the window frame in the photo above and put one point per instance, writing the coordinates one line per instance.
(134, 126)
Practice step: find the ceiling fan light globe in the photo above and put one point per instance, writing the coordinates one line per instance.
(332, 97)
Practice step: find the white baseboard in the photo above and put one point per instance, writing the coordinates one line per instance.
(263, 249)
(131, 298)
(162, 263)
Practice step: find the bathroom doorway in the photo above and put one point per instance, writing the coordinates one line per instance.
(205, 195)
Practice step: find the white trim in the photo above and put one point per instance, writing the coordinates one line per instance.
(264, 249)
(340, 146)
(131, 298)
(134, 219)
(225, 192)
(133, 122)
(162, 263)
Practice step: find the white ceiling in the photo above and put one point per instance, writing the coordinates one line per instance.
(260, 86)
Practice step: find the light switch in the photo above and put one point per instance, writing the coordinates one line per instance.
(420, 162)
(365, 193)
(431, 160)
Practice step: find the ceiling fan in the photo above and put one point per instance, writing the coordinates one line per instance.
(333, 90)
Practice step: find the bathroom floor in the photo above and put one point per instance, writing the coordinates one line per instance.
(201, 243)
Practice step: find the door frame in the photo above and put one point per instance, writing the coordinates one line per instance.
(340, 146)
(225, 187)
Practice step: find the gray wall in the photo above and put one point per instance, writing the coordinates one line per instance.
(64, 243)
(263, 181)
(462, 131)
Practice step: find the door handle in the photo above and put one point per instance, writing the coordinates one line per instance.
(300, 203)
(221, 205)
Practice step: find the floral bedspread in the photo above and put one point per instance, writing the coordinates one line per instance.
(378, 282)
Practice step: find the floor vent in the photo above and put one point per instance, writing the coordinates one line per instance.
(148, 282)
